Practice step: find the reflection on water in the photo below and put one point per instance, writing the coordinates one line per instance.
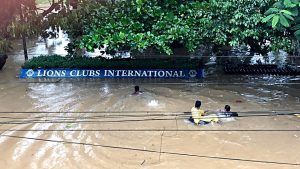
(22, 145)
(42, 47)
(53, 97)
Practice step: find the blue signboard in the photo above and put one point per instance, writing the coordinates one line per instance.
(111, 73)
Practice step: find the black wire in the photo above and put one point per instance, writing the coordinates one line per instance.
(98, 112)
(154, 151)
(36, 119)
(132, 120)
(154, 130)
(100, 117)
(94, 117)
(145, 112)
(81, 121)
(163, 83)
(107, 121)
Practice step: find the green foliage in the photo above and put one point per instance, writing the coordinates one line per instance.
(11, 24)
(21, 18)
(56, 61)
(137, 25)
(5, 46)
(284, 17)
(17, 18)
(238, 22)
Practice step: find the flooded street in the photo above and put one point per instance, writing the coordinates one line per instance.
(88, 123)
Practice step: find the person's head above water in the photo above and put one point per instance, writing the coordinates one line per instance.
(136, 89)
(227, 108)
(198, 104)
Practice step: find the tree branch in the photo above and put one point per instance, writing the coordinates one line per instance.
(51, 8)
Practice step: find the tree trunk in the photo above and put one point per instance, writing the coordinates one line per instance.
(25, 47)
(23, 34)
(52, 7)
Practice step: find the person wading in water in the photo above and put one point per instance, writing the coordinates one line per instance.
(137, 90)
(198, 115)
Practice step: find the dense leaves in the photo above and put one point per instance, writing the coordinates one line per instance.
(238, 22)
(22, 18)
(284, 17)
(140, 25)
(137, 25)
(17, 17)
(56, 61)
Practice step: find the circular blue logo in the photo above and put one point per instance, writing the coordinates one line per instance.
(29, 72)
(193, 73)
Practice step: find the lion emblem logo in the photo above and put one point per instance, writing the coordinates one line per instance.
(29, 72)
(193, 73)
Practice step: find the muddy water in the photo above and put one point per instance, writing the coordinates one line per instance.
(67, 114)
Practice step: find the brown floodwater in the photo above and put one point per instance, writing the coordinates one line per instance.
(98, 123)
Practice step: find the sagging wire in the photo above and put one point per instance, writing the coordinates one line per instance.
(127, 116)
(153, 130)
(163, 83)
(154, 151)
(160, 147)
(140, 112)
(25, 121)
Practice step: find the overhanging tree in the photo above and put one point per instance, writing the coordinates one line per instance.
(137, 25)
(21, 19)
(17, 21)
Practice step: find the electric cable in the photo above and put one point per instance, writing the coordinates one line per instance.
(130, 120)
(166, 83)
(178, 117)
(154, 151)
(152, 130)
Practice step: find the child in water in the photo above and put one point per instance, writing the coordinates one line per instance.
(198, 115)
(227, 114)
